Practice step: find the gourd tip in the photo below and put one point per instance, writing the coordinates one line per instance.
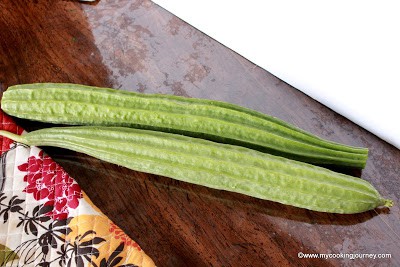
(12, 136)
(388, 203)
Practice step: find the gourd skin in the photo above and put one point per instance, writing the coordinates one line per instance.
(215, 165)
(213, 120)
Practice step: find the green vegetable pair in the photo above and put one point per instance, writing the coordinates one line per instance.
(164, 135)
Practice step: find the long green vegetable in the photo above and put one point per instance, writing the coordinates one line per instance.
(208, 119)
(215, 165)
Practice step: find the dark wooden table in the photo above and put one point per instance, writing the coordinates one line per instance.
(136, 45)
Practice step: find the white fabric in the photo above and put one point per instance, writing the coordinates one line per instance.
(344, 54)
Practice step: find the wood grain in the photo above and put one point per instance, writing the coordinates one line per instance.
(136, 45)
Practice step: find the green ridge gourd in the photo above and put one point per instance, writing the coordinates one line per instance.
(215, 165)
(213, 120)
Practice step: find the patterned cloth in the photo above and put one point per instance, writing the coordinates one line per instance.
(47, 220)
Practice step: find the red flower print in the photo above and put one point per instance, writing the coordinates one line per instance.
(6, 123)
(47, 180)
(73, 195)
(119, 234)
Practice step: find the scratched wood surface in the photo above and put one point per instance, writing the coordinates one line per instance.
(136, 45)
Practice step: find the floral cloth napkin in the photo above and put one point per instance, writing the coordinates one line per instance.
(47, 220)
